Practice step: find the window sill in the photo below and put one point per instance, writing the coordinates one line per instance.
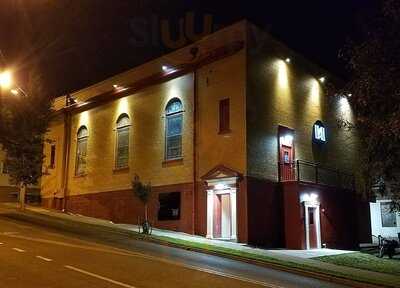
(80, 175)
(225, 132)
(121, 170)
(172, 162)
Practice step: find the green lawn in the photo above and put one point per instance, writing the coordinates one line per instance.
(384, 282)
(364, 261)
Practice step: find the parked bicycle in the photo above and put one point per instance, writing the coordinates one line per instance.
(387, 247)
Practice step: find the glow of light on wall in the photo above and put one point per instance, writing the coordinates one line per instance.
(315, 92)
(311, 198)
(123, 106)
(84, 119)
(287, 140)
(283, 80)
(345, 108)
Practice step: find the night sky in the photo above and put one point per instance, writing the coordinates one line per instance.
(77, 43)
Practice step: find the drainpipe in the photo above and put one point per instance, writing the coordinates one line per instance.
(66, 152)
(194, 149)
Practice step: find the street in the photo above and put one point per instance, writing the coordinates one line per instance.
(33, 256)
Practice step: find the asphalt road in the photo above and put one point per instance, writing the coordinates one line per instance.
(33, 256)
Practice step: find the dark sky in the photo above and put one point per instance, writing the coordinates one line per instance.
(78, 43)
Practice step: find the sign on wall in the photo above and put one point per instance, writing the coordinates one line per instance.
(319, 132)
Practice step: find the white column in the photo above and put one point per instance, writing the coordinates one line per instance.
(318, 227)
(307, 227)
(210, 209)
(233, 211)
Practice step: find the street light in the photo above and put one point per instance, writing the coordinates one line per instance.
(5, 79)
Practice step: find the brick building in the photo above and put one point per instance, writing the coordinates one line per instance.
(236, 134)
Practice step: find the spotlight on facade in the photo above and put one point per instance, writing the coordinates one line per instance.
(322, 79)
(287, 60)
(287, 140)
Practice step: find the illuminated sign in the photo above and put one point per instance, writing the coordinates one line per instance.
(319, 132)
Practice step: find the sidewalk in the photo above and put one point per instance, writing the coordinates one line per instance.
(297, 261)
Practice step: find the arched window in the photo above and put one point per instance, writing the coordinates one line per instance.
(122, 142)
(173, 129)
(81, 151)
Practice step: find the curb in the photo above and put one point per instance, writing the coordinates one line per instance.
(70, 226)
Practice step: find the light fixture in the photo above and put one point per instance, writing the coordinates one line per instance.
(14, 91)
(287, 140)
(322, 79)
(349, 95)
(5, 79)
(165, 68)
(287, 60)
(220, 186)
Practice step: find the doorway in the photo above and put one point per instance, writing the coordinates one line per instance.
(312, 226)
(286, 154)
(221, 214)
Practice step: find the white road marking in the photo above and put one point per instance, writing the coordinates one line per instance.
(18, 250)
(44, 258)
(121, 252)
(99, 277)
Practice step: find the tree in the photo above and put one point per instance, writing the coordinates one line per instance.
(143, 192)
(24, 121)
(374, 64)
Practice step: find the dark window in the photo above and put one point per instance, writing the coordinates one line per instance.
(5, 168)
(224, 117)
(388, 216)
(173, 129)
(170, 206)
(81, 151)
(53, 156)
(122, 142)
(311, 215)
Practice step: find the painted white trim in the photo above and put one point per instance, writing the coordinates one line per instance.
(317, 223)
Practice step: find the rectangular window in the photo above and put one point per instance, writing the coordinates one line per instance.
(388, 217)
(81, 152)
(174, 137)
(122, 157)
(170, 206)
(53, 156)
(4, 169)
(224, 117)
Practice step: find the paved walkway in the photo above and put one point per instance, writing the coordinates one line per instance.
(193, 238)
(300, 257)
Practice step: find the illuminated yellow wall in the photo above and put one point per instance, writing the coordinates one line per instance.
(146, 112)
(51, 181)
(289, 94)
(220, 80)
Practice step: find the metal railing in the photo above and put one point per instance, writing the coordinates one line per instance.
(309, 172)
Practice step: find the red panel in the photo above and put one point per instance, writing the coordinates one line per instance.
(312, 227)
(217, 216)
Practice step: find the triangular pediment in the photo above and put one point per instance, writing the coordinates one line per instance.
(221, 171)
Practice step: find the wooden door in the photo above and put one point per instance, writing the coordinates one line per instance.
(312, 227)
(217, 216)
(226, 215)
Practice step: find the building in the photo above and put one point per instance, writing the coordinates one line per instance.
(236, 134)
(8, 191)
(384, 222)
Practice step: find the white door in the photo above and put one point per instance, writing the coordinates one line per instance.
(226, 216)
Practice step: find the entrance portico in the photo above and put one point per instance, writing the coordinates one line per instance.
(221, 186)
